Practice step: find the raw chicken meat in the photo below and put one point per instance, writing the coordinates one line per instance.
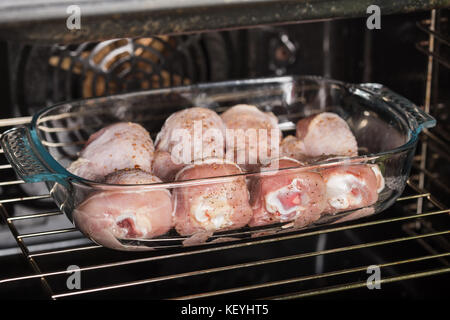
(125, 212)
(255, 136)
(86, 169)
(287, 195)
(122, 145)
(326, 134)
(163, 166)
(192, 134)
(350, 187)
(211, 206)
(294, 148)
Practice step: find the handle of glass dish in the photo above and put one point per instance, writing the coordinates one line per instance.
(21, 153)
(416, 116)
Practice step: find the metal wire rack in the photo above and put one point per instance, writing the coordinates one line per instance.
(282, 267)
(436, 39)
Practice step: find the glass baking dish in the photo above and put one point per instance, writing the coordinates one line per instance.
(386, 127)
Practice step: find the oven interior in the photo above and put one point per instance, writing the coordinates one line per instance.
(409, 241)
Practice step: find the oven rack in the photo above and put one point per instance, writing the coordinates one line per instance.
(276, 267)
(437, 41)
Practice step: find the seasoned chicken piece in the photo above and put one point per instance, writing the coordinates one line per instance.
(125, 212)
(163, 166)
(294, 148)
(122, 145)
(86, 169)
(326, 134)
(213, 206)
(253, 136)
(350, 187)
(192, 134)
(287, 195)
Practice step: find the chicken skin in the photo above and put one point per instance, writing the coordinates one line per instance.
(126, 212)
(122, 145)
(253, 136)
(192, 134)
(326, 134)
(294, 148)
(350, 187)
(213, 206)
(287, 195)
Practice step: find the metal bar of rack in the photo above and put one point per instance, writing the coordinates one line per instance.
(427, 47)
(52, 275)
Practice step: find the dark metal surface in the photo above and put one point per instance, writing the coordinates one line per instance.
(30, 20)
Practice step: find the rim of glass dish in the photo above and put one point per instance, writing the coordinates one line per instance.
(59, 169)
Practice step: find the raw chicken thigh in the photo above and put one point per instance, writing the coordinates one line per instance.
(287, 195)
(351, 187)
(294, 148)
(164, 167)
(211, 206)
(122, 145)
(326, 134)
(125, 212)
(186, 136)
(191, 146)
(85, 169)
(261, 141)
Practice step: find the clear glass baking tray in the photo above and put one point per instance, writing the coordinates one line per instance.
(386, 127)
